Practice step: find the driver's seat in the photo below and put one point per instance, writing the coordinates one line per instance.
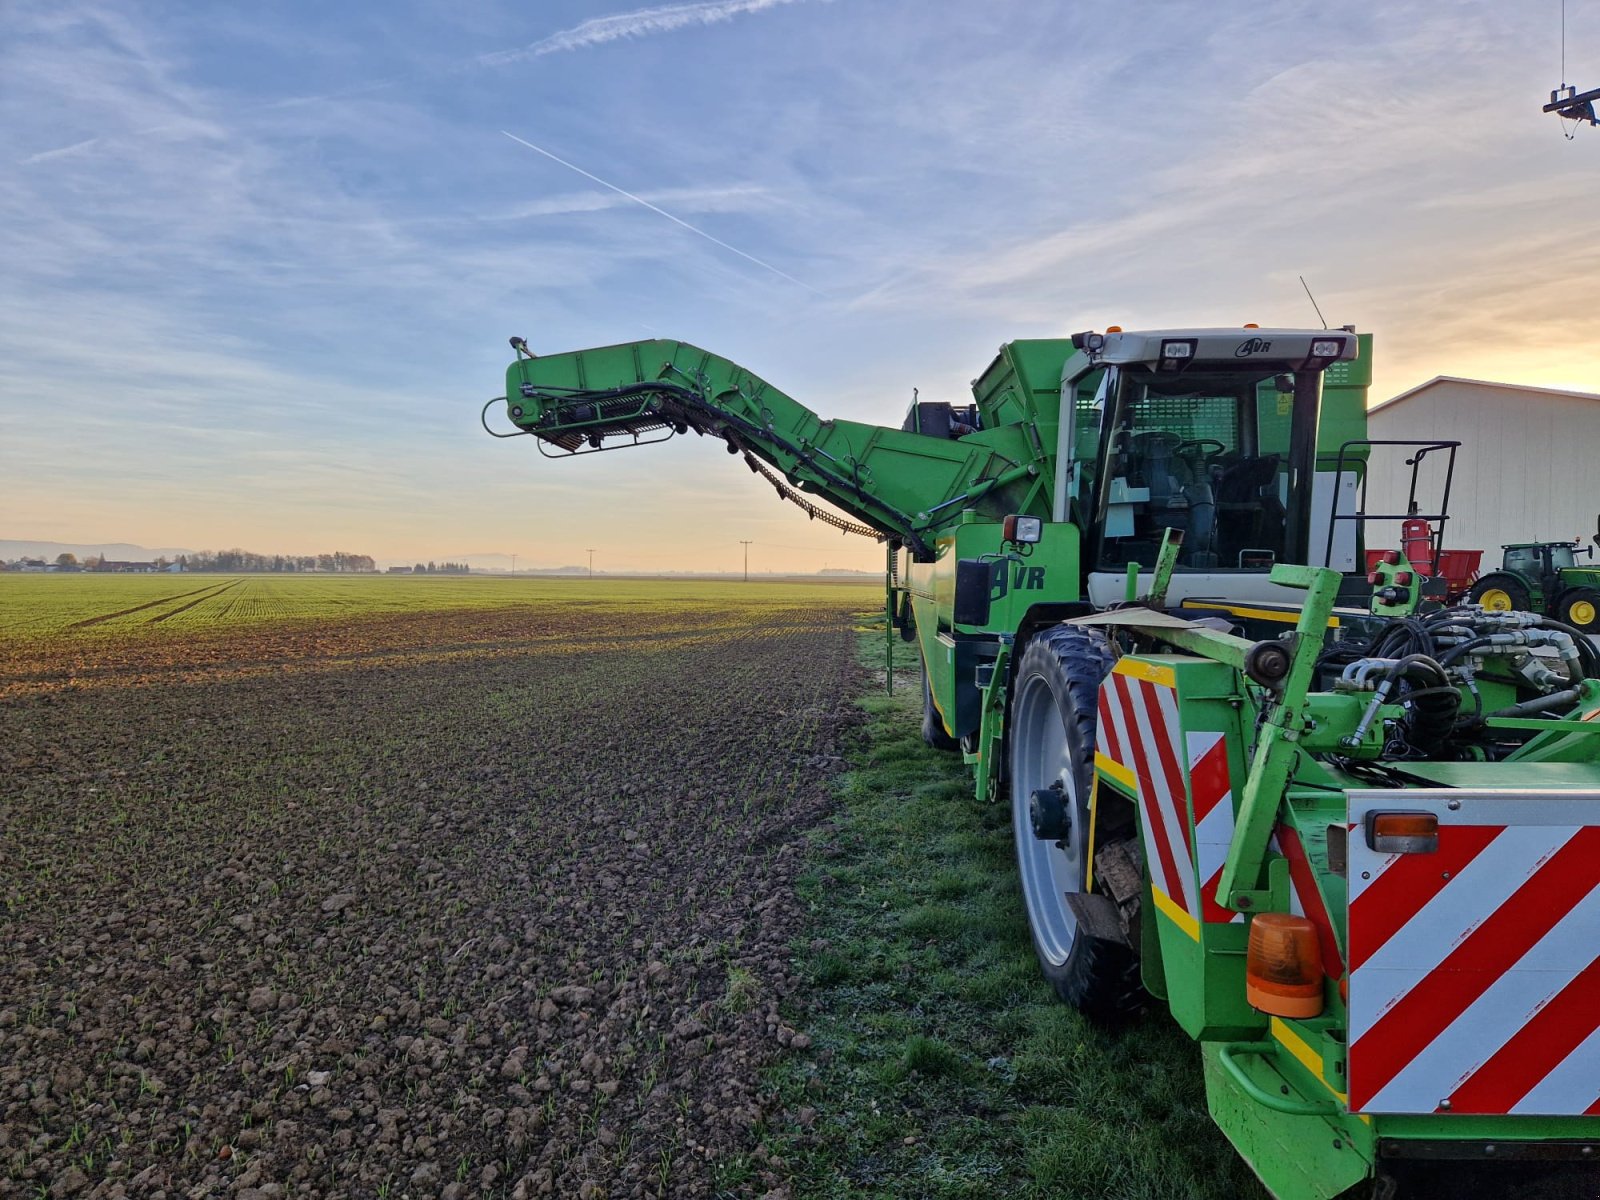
(1180, 495)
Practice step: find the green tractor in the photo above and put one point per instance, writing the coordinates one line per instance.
(1544, 577)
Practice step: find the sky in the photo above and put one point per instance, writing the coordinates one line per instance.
(259, 264)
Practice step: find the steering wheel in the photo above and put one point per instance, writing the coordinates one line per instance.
(1151, 439)
(1205, 445)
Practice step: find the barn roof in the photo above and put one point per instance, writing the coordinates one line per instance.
(1484, 383)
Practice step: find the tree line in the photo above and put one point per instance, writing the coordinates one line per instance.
(245, 561)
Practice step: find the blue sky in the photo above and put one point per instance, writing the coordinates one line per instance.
(260, 263)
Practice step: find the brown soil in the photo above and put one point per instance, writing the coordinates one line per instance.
(479, 903)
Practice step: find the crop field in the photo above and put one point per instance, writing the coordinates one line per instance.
(404, 887)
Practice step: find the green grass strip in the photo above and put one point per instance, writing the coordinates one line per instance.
(941, 1064)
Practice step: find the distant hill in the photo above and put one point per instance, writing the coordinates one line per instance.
(11, 549)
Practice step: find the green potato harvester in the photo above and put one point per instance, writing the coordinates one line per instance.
(1349, 837)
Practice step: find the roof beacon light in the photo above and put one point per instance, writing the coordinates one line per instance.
(1283, 966)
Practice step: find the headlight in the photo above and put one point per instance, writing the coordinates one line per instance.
(1022, 529)
(1327, 348)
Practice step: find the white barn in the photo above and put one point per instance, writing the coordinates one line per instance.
(1522, 473)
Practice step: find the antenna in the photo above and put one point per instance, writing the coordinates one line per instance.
(1314, 303)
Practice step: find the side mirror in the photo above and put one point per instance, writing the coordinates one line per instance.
(978, 584)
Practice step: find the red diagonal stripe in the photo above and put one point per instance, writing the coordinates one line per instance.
(1305, 886)
(1397, 895)
(1214, 913)
(1466, 973)
(1535, 1050)
(1208, 779)
(1155, 825)
(1106, 731)
(1167, 751)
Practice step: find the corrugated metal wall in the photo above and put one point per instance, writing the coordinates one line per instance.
(1528, 468)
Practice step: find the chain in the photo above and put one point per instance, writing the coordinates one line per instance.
(811, 510)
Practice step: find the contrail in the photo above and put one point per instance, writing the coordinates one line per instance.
(662, 212)
(641, 23)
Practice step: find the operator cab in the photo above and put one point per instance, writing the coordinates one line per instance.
(1528, 558)
(1212, 432)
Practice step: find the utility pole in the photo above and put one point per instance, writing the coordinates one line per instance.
(591, 564)
(746, 546)
(513, 564)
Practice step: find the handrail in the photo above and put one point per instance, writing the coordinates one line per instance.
(1361, 516)
(1294, 1108)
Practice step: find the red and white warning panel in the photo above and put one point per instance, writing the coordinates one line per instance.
(1139, 733)
(1474, 958)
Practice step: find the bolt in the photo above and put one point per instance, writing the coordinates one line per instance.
(1444, 1106)
(1366, 874)
(1489, 1149)
(1337, 1144)
(1454, 805)
(1246, 902)
(1444, 874)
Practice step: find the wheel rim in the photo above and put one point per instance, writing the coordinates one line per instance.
(1495, 600)
(1581, 612)
(1041, 758)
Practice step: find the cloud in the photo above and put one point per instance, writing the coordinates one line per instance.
(644, 22)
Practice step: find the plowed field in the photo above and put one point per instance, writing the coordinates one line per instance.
(434, 889)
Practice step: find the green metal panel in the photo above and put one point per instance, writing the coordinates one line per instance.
(1344, 402)
(1298, 1157)
(1048, 574)
(1543, 776)
(1023, 383)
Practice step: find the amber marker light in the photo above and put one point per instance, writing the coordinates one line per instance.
(1403, 832)
(1283, 967)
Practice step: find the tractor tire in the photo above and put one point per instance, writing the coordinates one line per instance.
(1051, 731)
(1580, 608)
(1500, 591)
(933, 733)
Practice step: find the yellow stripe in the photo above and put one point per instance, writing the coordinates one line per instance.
(1094, 811)
(1309, 1059)
(1181, 919)
(1260, 614)
(1116, 770)
(1138, 668)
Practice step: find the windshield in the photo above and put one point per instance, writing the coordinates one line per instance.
(1204, 453)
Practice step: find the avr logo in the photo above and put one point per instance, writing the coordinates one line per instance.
(1252, 346)
(1028, 579)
